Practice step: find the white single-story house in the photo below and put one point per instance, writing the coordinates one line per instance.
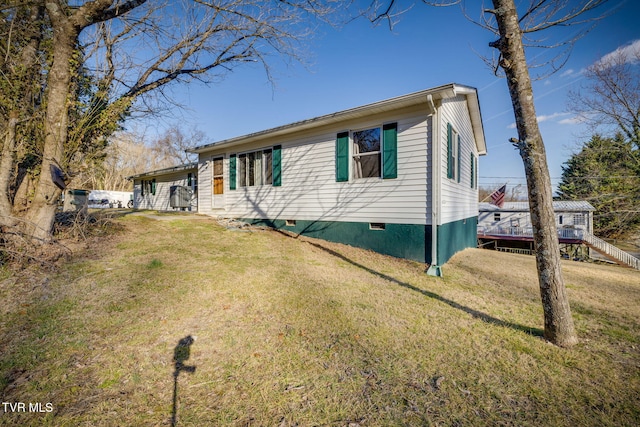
(570, 215)
(174, 188)
(399, 176)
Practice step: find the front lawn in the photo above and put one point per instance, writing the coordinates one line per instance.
(299, 332)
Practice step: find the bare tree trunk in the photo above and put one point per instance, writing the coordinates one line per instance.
(21, 199)
(24, 70)
(43, 209)
(6, 167)
(558, 323)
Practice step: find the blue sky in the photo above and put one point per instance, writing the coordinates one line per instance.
(357, 64)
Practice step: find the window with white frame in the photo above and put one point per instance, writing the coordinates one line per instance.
(255, 168)
(366, 153)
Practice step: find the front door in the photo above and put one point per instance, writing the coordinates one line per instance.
(218, 183)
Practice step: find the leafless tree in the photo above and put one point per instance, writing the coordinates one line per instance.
(513, 29)
(128, 153)
(108, 59)
(516, 29)
(173, 142)
(610, 99)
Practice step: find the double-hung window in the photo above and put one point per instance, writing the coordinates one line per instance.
(148, 187)
(453, 153)
(371, 153)
(255, 168)
(366, 153)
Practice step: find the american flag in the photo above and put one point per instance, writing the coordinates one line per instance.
(497, 197)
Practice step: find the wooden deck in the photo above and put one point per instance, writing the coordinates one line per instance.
(569, 236)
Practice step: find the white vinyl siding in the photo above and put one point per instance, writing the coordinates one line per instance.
(160, 200)
(309, 189)
(458, 200)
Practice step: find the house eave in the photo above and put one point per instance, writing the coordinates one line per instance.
(476, 116)
(422, 97)
(166, 171)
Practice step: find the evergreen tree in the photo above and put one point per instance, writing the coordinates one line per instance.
(606, 173)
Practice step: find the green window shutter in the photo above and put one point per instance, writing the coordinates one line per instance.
(232, 172)
(459, 157)
(342, 157)
(277, 166)
(390, 151)
(153, 186)
(449, 152)
(189, 177)
(473, 170)
(142, 187)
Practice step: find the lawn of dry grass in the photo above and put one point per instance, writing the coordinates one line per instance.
(300, 332)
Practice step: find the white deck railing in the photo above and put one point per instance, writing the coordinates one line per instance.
(612, 251)
(563, 233)
(571, 234)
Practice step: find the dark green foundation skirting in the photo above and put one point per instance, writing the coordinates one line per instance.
(456, 236)
(409, 241)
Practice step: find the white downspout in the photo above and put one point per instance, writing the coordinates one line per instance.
(436, 143)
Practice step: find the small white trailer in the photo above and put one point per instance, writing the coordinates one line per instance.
(110, 199)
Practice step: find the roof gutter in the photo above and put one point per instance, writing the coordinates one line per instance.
(165, 171)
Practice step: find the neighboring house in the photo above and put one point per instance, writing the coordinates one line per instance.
(363, 176)
(514, 216)
(509, 228)
(174, 188)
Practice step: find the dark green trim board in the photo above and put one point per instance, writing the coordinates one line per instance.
(449, 151)
(409, 241)
(276, 162)
(342, 157)
(390, 151)
(459, 158)
(456, 236)
(232, 172)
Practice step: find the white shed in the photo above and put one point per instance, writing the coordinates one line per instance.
(364, 176)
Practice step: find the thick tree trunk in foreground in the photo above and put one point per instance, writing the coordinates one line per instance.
(43, 209)
(558, 323)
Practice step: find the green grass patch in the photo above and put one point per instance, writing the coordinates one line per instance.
(155, 263)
